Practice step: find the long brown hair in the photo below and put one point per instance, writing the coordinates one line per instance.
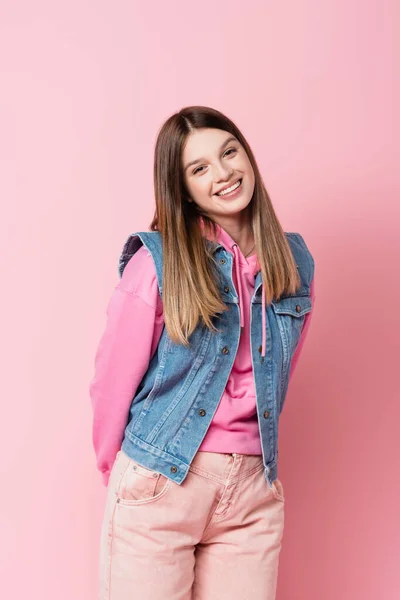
(190, 286)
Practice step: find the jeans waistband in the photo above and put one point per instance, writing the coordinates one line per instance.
(223, 467)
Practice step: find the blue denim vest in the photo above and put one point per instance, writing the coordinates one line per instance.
(175, 402)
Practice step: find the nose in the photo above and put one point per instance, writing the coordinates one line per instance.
(223, 173)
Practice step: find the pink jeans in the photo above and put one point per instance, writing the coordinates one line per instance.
(217, 536)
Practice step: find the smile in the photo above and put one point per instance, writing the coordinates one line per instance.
(230, 189)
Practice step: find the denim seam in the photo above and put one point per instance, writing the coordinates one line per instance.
(111, 529)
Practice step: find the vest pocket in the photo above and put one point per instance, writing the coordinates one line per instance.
(295, 306)
(290, 313)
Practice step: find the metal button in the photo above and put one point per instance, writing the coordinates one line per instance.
(266, 414)
(222, 261)
(155, 474)
(225, 350)
(298, 308)
(227, 289)
(202, 412)
(173, 469)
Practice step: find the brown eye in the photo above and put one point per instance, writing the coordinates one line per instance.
(196, 170)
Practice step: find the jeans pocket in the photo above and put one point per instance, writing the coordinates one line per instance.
(277, 490)
(140, 485)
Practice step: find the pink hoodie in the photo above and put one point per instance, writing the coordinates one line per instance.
(135, 312)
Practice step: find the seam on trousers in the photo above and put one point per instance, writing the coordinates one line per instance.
(111, 529)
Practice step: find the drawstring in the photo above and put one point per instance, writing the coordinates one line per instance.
(264, 329)
(263, 317)
(236, 253)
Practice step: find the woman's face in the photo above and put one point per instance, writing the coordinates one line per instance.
(220, 161)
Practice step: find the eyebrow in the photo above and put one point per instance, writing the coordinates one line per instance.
(226, 142)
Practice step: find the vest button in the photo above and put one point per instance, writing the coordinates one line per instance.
(222, 261)
(227, 289)
(266, 414)
(225, 350)
(298, 308)
(259, 349)
(202, 412)
(173, 469)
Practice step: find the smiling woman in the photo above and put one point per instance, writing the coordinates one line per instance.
(199, 154)
(192, 372)
(225, 174)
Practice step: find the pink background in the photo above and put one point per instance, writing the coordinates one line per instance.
(315, 88)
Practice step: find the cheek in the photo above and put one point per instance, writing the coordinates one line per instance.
(202, 190)
(250, 175)
(249, 169)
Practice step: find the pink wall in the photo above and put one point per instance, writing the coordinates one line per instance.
(315, 87)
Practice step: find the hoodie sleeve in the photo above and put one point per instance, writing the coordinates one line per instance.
(134, 314)
(304, 331)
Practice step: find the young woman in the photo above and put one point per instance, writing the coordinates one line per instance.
(203, 332)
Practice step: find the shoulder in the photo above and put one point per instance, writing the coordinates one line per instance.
(302, 256)
(150, 239)
(297, 243)
(296, 238)
(139, 276)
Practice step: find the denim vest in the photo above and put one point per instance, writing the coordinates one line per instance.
(179, 394)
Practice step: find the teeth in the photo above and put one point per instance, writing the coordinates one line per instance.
(230, 189)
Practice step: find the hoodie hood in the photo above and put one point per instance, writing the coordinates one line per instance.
(241, 265)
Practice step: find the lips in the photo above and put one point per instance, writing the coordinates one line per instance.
(228, 186)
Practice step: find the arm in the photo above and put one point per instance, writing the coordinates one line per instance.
(134, 312)
(304, 331)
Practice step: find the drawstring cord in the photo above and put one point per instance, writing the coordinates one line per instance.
(264, 328)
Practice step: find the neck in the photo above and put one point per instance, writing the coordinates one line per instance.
(241, 233)
(244, 239)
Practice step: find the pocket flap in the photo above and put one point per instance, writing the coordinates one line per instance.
(296, 306)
